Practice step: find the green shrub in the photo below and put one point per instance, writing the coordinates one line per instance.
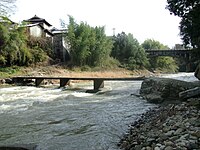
(166, 64)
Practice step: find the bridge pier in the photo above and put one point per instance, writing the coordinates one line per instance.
(64, 82)
(38, 82)
(98, 83)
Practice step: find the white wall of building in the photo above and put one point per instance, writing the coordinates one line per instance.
(36, 31)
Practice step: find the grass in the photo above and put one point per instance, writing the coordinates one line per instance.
(6, 72)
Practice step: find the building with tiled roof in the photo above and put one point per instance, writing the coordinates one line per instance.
(39, 27)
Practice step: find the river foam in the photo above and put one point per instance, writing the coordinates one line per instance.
(68, 118)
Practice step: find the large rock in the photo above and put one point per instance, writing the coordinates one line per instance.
(157, 90)
(2, 81)
(8, 81)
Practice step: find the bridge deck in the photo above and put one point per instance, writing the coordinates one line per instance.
(80, 78)
(98, 82)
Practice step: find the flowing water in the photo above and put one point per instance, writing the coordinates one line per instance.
(69, 118)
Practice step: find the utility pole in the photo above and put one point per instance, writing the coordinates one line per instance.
(113, 31)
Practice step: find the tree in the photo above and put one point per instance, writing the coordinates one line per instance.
(16, 48)
(128, 51)
(7, 6)
(161, 62)
(87, 45)
(188, 11)
(166, 64)
(4, 36)
(13, 48)
(155, 45)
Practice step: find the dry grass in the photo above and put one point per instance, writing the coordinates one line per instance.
(59, 71)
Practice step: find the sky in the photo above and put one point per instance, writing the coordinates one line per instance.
(145, 19)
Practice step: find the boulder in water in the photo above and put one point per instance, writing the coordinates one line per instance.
(2, 81)
(8, 81)
(158, 90)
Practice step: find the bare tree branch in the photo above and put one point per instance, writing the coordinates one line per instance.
(7, 6)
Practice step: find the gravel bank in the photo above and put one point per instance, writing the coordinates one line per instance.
(169, 127)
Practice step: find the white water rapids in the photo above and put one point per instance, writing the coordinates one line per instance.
(70, 119)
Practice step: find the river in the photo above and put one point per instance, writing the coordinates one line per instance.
(69, 118)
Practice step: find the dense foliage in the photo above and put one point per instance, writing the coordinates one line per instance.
(163, 63)
(88, 46)
(15, 47)
(128, 51)
(151, 44)
(189, 11)
(40, 48)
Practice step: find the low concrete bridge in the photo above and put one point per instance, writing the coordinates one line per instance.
(98, 82)
(174, 53)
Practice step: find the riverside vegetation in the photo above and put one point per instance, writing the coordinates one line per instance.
(89, 48)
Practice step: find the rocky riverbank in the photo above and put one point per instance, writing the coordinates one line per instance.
(174, 124)
(169, 127)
